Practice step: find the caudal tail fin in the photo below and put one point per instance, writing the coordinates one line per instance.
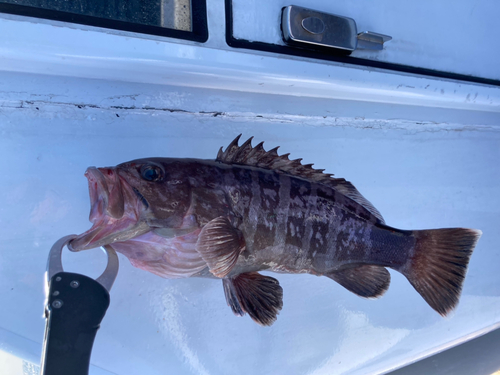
(439, 263)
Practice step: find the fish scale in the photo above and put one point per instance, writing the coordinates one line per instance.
(297, 208)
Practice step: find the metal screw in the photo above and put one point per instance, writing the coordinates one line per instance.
(57, 304)
(56, 293)
(74, 284)
(58, 278)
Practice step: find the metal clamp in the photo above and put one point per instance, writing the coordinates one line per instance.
(54, 263)
(304, 26)
(75, 307)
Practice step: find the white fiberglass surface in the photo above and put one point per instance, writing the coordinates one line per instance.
(419, 176)
(446, 35)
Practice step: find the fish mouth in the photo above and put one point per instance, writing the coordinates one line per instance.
(114, 212)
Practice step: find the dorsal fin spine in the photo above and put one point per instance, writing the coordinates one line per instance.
(258, 157)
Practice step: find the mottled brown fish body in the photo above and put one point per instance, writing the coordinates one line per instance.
(252, 210)
(292, 225)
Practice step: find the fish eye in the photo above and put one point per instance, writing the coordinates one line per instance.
(151, 172)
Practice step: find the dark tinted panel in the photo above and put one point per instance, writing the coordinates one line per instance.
(184, 19)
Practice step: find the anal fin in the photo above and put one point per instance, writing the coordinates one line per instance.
(259, 296)
(220, 244)
(367, 281)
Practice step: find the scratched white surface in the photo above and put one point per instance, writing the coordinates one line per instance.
(425, 161)
(446, 35)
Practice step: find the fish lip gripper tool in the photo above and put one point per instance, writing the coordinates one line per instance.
(75, 307)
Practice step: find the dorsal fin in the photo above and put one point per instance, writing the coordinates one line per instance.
(348, 189)
(258, 157)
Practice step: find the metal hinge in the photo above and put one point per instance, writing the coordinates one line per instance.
(309, 27)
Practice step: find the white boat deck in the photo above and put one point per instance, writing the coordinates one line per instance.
(423, 150)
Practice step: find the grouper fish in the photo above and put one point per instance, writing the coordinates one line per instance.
(250, 210)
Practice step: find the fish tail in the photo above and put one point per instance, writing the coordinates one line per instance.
(438, 265)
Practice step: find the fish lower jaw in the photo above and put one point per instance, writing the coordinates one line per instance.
(100, 235)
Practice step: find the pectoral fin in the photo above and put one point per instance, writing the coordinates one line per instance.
(259, 296)
(220, 244)
(366, 281)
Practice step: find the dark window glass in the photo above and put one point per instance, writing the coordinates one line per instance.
(184, 19)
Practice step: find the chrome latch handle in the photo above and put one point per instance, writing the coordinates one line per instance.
(302, 26)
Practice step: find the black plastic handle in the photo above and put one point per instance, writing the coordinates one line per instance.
(75, 308)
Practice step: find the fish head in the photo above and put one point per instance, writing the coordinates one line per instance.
(132, 199)
(163, 188)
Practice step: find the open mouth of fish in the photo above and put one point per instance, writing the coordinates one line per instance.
(114, 211)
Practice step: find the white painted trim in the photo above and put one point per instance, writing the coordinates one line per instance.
(47, 49)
